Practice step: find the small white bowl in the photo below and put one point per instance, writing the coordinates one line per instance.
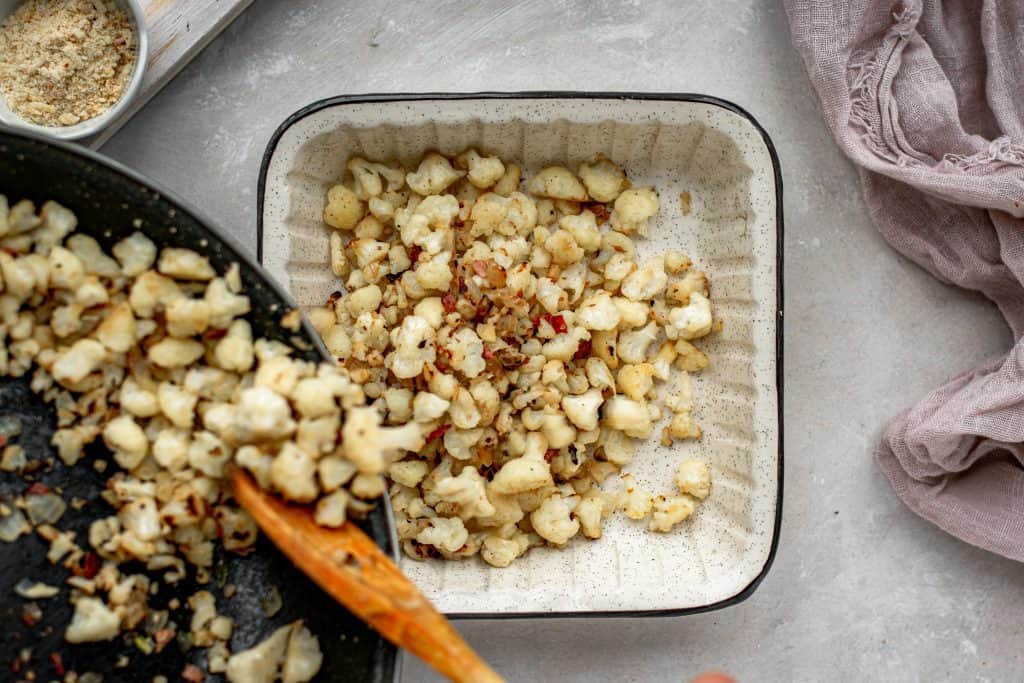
(97, 123)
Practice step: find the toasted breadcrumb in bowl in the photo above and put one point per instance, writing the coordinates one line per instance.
(79, 97)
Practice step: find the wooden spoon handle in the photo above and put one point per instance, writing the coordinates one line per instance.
(347, 564)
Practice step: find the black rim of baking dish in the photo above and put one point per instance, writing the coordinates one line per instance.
(555, 94)
(387, 663)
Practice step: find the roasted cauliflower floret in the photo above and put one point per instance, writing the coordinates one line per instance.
(66, 269)
(646, 282)
(694, 477)
(184, 264)
(445, 533)
(598, 312)
(636, 381)
(525, 473)
(92, 621)
(370, 178)
(670, 511)
(74, 364)
(434, 175)
(636, 502)
(690, 358)
(628, 416)
(263, 415)
(509, 182)
(680, 291)
(682, 426)
(467, 492)
(484, 172)
(409, 472)
(435, 274)
(557, 182)
(583, 228)
(373, 447)
(343, 209)
(583, 409)
(603, 179)
(692, 320)
(501, 552)
(633, 209)
(591, 511)
(634, 345)
(413, 347)
(118, 331)
(553, 521)
(127, 440)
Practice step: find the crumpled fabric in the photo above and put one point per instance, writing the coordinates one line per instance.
(927, 98)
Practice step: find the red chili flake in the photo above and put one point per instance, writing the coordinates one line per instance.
(414, 253)
(583, 350)
(215, 333)
(558, 322)
(162, 637)
(90, 565)
(488, 354)
(480, 267)
(58, 664)
(600, 211)
(438, 433)
(448, 301)
(31, 614)
(550, 454)
(37, 489)
(16, 665)
(192, 674)
(482, 308)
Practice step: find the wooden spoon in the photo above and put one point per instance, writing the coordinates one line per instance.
(346, 563)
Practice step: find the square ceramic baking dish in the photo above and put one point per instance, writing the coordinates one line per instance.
(699, 147)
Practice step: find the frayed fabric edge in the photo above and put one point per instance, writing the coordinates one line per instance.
(1000, 152)
(865, 69)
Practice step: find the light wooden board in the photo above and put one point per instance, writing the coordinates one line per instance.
(178, 30)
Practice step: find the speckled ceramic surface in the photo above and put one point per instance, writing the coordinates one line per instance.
(688, 144)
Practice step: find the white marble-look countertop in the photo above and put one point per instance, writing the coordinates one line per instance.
(861, 588)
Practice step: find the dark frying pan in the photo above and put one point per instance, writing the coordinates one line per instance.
(107, 198)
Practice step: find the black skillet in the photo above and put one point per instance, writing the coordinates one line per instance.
(107, 199)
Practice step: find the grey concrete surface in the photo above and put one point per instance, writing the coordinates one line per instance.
(861, 588)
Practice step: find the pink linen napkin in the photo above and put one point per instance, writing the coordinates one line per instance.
(928, 99)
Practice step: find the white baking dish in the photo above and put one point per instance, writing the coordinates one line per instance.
(679, 143)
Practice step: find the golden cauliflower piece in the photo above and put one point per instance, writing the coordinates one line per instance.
(344, 209)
